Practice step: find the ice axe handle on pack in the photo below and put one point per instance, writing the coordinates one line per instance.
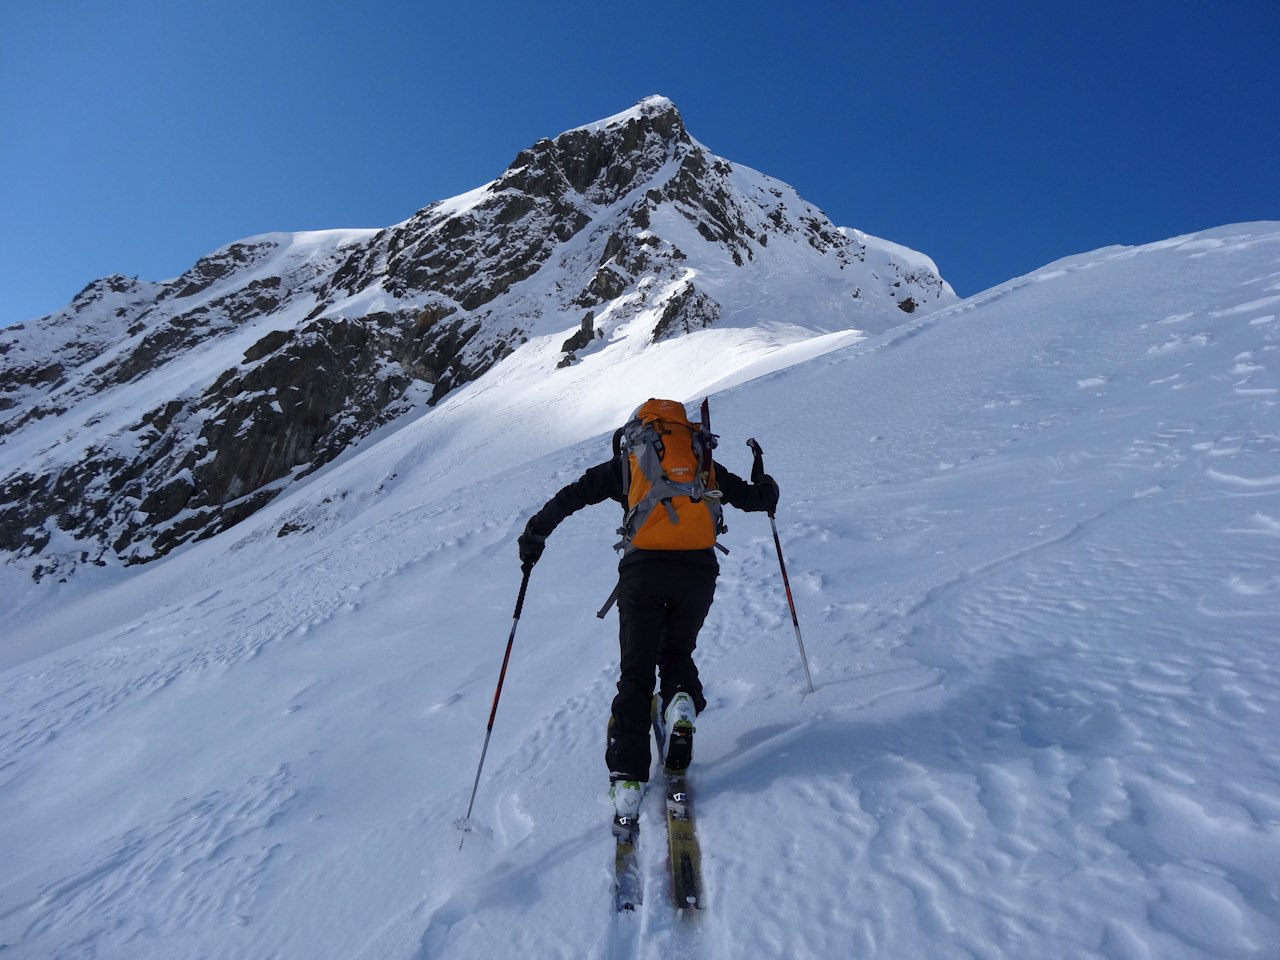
(757, 474)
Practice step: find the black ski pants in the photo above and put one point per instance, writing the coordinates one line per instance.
(662, 604)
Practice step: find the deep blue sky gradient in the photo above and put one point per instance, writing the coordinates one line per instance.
(138, 135)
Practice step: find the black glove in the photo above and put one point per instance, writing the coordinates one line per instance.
(531, 546)
(769, 488)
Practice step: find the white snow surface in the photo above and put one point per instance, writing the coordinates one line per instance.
(1034, 541)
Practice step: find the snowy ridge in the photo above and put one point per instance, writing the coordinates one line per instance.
(1034, 540)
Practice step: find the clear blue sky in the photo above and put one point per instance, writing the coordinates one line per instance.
(138, 135)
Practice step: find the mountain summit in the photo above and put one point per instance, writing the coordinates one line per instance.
(146, 415)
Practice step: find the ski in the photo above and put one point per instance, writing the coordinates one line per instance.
(685, 853)
(628, 893)
(686, 857)
(627, 884)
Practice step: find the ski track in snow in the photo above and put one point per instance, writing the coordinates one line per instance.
(1034, 543)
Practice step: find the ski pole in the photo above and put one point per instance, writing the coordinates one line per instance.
(757, 473)
(493, 711)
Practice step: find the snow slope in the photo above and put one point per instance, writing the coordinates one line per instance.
(1035, 543)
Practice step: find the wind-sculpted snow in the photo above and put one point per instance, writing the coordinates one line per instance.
(1034, 541)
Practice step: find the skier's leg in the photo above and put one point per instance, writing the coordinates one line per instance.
(690, 590)
(641, 614)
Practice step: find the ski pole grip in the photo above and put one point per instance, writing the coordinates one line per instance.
(757, 466)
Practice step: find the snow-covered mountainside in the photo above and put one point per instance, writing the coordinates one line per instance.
(1034, 540)
(148, 415)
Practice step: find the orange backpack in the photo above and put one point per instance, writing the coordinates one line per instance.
(669, 481)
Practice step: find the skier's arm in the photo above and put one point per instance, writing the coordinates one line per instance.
(751, 497)
(599, 483)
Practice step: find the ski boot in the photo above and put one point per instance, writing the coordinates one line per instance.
(626, 796)
(678, 723)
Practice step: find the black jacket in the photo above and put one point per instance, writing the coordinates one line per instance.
(604, 482)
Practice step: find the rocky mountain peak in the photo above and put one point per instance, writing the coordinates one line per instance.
(603, 161)
(146, 415)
